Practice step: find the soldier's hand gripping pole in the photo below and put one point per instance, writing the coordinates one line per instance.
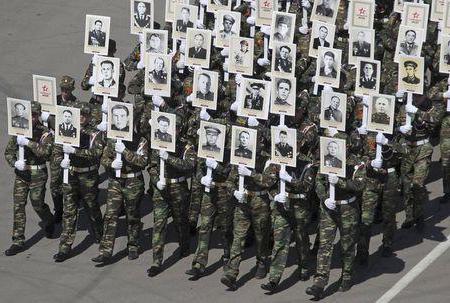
(119, 158)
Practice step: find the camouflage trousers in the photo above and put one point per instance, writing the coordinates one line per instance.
(216, 209)
(414, 170)
(173, 200)
(56, 186)
(36, 189)
(129, 192)
(284, 222)
(195, 200)
(346, 218)
(445, 153)
(82, 189)
(254, 212)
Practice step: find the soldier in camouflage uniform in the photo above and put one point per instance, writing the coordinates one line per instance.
(127, 189)
(83, 183)
(31, 176)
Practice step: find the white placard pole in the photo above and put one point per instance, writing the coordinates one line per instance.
(162, 165)
(182, 55)
(365, 116)
(104, 115)
(226, 74)
(241, 183)
(21, 153)
(253, 27)
(409, 101)
(305, 18)
(288, 5)
(209, 175)
(379, 150)
(316, 89)
(332, 192)
(202, 14)
(118, 157)
(266, 47)
(66, 170)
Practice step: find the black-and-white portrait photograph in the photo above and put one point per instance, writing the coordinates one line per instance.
(264, 10)
(325, 10)
(155, 41)
(362, 13)
(211, 140)
(415, 15)
(256, 97)
(169, 15)
(205, 88)
(67, 125)
(198, 45)
(227, 25)
(217, 5)
(44, 92)
(283, 28)
(444, 59)
(333, 110)
(381, 113)
(283, 59)
(409, 41)
(96, 35)
(283, 96)
(241, 55)
(120, 120)
(107, 71)
(322, 35)
(411, 74)
(367, 76)
(437, 10)
(19, 117)
(158, 74)
(332, 156)
(163, 131)
(284, 145)
(243, 146)
(185, 17)
(361, 44)
(141, 12)
(328, 66)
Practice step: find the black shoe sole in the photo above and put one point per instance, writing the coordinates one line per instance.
(228, 283)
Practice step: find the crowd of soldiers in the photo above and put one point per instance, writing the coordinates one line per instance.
(260, 214)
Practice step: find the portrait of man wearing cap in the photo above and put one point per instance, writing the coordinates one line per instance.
(212, 134)
(161, 133)
(198, 51)
(227, 31)
(282, 29)
(242, 150)
(19, 119)
(283, 60)
(67, 85)
(183, 23)
(204, 87)
(282, 148)
(240, 55)
(254, 100)
(410, 69)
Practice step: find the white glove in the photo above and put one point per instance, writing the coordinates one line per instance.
(94, 58)
(119, 147)
(327, 88)
(280, 198)
(206, 181)
(213, 33)
(285, 176)
(44, 116)
(163, 155)
(190, 98)
(400, 94)
(67, 149)
(199, 24)
(404, 129)
(234, 106)
(333, 179)
(211, 163)
(239, 195)
(332, 131)
(376, 163)
(362, 130)
(440, 25)
(446, 95)
(252, 122)
(346, 26)
(225, 65)
(238, 79)
(103, 126)
(182, 46)
(365, 100)
(268, 75)
(104, 106)
(306, 4)
(203, 2)
(204, 115)
(140, 64)
(225, 52)
(244, 171)
(19, 165)
(381, 139)
(263, 62)
(266, 30)
(303, 30)
(91, 80)
(251, 20)
(180, 64)
(410, 109)
(330, 204)
(157, 100)
(313, 79)
(65, 163)
(117, 164)
(160, 185)
(22, 141)
(141, 38)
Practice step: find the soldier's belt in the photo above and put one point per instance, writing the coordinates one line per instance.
(295, 196)
(343, 202)
(342, 39)
(219, 184)
(35, 167)
(417, 143)
(131, 175)
(391, 170)
(176, 180)
(83, 169)
(257, 193)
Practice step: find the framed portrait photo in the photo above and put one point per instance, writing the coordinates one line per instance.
(411, 74)
(141, 15)
(368, 74)
(158, 74)
(264, 10)
(163, 131)
(325, 11)
(409, 41)
(437, 10)
(444, 56)
(333, 156)
(185, 17)
(120, 121)
(283, 96)
(169, 15)
(284, 145)
(446, 21)
(381, 113)
(398, 5)
(67, 125)
(243, 146)
(241, 55)
(362, 44)
(255, 96)
(333, 110)
(155, 41)
(205, 89)
(284, 56)
(211, 140)
(96, 35)
(44, 92)
(107, 72)
(198, 45)
(328, 68)
(19, 117)
(283, 28)
(415, 14)
(227, 25)
(217, 5)
(322, 35)
(362, 13)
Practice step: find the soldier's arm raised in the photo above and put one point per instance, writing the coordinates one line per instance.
(108, 155)
(187, 162)
(43, 148)
(139, 157)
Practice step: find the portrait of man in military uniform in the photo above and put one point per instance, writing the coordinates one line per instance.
(321, 39)
(120, 118)
(328, 69)
(66, 128)
(158, 75)
(325, 8)
(19, 118)
(198, 51)
(96, 34)
(368, 77)
(283, 91)
(333, 112)
(142, 14)
(161, 133)
(243, 150)
(97, 37)
(204, 87)
(411, 70)
(283, 60)
(227, 26)
(409, 45)
(254, 100)
(282, 148)
(331, 158)
(380, 113)
(361, 47)
(241, 55)
(211, 141)
(212, 135)
(183, 20)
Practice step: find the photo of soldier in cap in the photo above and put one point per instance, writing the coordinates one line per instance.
(186, 16)
(107, 71)
(410, 74)
(211, 140)
(328, 66)
(283, 63)
(333, 110)
(325, 11)
(256, 96)
(163, 127)
(254, 100)
(20, 116)
(228, 25)
(96, 35)
(322, 34)
(205, 89)
(367, 76)
(158, 74)
(44, 91)
(283, 28)
(120, 120)
(67, 122)
(332, 156)
(381, 113)
(361, 44)
(409, 41)
(198, 45)
(241, 56)
(243, 146)
(283, 96)
(141, 15)
(155, 41)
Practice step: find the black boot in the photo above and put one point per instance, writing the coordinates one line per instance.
(261, 271)
(58, 204)
(133, 255)
(345, 285)
(269, 286)
(61, 257)
(103, 259)
(14, 250)
(407, 224)
(315, 291)
(153, 271)
(195, 272)
(229, 282)
(420, 223)
(386, 251)
(49, 230)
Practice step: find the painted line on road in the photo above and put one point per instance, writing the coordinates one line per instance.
(415, 271)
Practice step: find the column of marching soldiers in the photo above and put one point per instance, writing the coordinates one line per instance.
(367, 195)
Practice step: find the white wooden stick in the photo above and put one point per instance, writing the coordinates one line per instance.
(66, 170)
(365, 116)
(104, 115)
(332, 192)
(266, 46)
(209, 175)
(408, 101)
(162, 165)
(226, 75)
(241, 183)
(305, 18)
(253, 27)
(21, 153)
(288, 5)
(118, 157)
(379, 151)
(316, 89)
(202, 14)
